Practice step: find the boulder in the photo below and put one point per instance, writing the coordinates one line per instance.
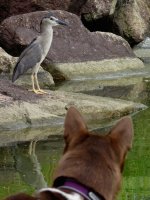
(97, 9)
(75, 51)
(76, 42)
(6, 62)
(132, 18)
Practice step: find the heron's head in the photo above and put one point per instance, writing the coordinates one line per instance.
(53, 21)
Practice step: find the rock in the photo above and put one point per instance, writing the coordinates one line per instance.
(45, 79)
(97, 9)
(6, 62)
(128, 18)
(76, 42)
(74, 51)
(50, 110)
(132, 18)
(90, 7)
(91, 69)
(13, 7)
(142, 50)
(127, 85)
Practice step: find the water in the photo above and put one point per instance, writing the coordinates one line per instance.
(136, 177)
(27, 166)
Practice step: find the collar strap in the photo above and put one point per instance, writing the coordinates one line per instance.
(80, 189)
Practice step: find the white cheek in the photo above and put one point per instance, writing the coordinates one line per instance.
(55, 24)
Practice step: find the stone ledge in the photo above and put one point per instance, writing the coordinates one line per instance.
(50, 110)
(93, 68)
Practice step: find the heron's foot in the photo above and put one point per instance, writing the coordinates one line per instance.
(42, 91)
(38, 91)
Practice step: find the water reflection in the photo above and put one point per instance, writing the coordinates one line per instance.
(28, 166)
(128, 86)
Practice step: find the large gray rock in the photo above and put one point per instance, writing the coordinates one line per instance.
(129, 18)
(97, 9)
(70, 44)
(132, 18)
(75, 51)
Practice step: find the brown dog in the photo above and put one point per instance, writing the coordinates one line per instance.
(91, 166)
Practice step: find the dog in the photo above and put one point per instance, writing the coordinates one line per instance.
(92, 164)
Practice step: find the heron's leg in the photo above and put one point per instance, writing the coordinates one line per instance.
(32, 147)
(38, 87)
(33, 85)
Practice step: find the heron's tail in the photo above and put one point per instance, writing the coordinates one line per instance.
(16, 74)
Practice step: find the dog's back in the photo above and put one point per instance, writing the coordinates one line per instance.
(92, 161)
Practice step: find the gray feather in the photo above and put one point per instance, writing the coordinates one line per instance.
(28, 59)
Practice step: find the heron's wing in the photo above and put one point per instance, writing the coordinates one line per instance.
(28, 59)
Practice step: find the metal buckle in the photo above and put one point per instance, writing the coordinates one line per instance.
(93, 196)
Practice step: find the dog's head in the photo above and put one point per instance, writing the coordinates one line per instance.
(94, 160)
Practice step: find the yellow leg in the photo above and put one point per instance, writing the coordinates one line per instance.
(33, 86)
(38, 87)
(32, 147)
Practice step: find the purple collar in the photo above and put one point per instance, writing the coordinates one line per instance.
(80, 189)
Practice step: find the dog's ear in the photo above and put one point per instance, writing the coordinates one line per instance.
(74, 125)
(122, 133)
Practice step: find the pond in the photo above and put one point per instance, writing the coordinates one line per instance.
(28, 166)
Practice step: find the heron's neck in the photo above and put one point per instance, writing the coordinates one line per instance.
(46, 30)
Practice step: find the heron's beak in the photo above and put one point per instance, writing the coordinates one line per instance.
(61, 22)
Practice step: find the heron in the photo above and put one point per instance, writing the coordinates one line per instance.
(36, 51)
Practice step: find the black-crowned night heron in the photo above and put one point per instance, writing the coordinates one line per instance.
(36, 52)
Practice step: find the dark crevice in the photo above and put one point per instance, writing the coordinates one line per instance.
(104, 24)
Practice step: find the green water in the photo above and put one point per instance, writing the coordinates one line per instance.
(22, 170)
(136, 177)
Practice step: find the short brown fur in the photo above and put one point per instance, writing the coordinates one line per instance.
(93, 160)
